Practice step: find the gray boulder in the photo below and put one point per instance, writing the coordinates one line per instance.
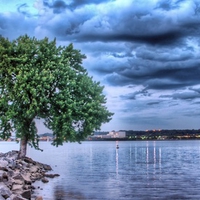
(5, 191)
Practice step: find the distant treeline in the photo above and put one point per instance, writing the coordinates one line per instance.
(148, 135)
(164, 134)
(153, 135)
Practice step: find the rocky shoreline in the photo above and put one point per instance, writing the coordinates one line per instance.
(18, 175)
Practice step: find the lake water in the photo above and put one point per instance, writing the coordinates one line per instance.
(140, 170)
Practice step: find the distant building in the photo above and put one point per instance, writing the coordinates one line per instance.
(46, 138)
(107, 135)
(118, 134)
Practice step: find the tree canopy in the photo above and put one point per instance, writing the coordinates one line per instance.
(39, 80)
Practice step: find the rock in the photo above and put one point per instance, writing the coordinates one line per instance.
(4, 191)
(51, 175)
(16, 197)
(23, 163)
(12, 155)
(12, 164)
(3, 163)
(3, 168)
(3, 176)
(9, 183)
(26, 194)
(27, 178)
(18, 182)
(18, 176)
(39, 198)
(36, 176)
(17, 187)
(2, 198)
(45, 180)
(29, 160)
(47, 167)
(10, 172)
(34, 169)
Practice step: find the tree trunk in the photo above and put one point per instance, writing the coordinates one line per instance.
(23, 147)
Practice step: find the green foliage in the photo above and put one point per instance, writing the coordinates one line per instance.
(40, 80)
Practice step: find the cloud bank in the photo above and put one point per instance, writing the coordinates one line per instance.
(146, 53)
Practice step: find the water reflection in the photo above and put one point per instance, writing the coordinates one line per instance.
(152, 157)
(117, 162)
(147, 159)
(160, 160)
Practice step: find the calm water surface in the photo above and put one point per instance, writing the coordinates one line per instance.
(137, 170)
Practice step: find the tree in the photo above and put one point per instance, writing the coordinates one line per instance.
(39, 80)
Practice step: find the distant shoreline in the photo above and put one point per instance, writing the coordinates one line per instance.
(125, 139)
(131, 135)
(122, 139)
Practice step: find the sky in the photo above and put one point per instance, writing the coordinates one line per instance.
(145, 52)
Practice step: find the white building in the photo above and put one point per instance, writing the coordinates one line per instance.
(118, 134)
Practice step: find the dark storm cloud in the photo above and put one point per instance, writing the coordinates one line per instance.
(164, 55)
(169, 4)
(163, 85)
(186, 95)
(164, 38)
(129, 28)
(126, 25)
(116, 79)
(183, 95)
(195, 89)
(173, 34)
(78, 3)
(153, 103)
(157, 75)
(59, 6)
(132, 96)
(149, 28)
(174, 78)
